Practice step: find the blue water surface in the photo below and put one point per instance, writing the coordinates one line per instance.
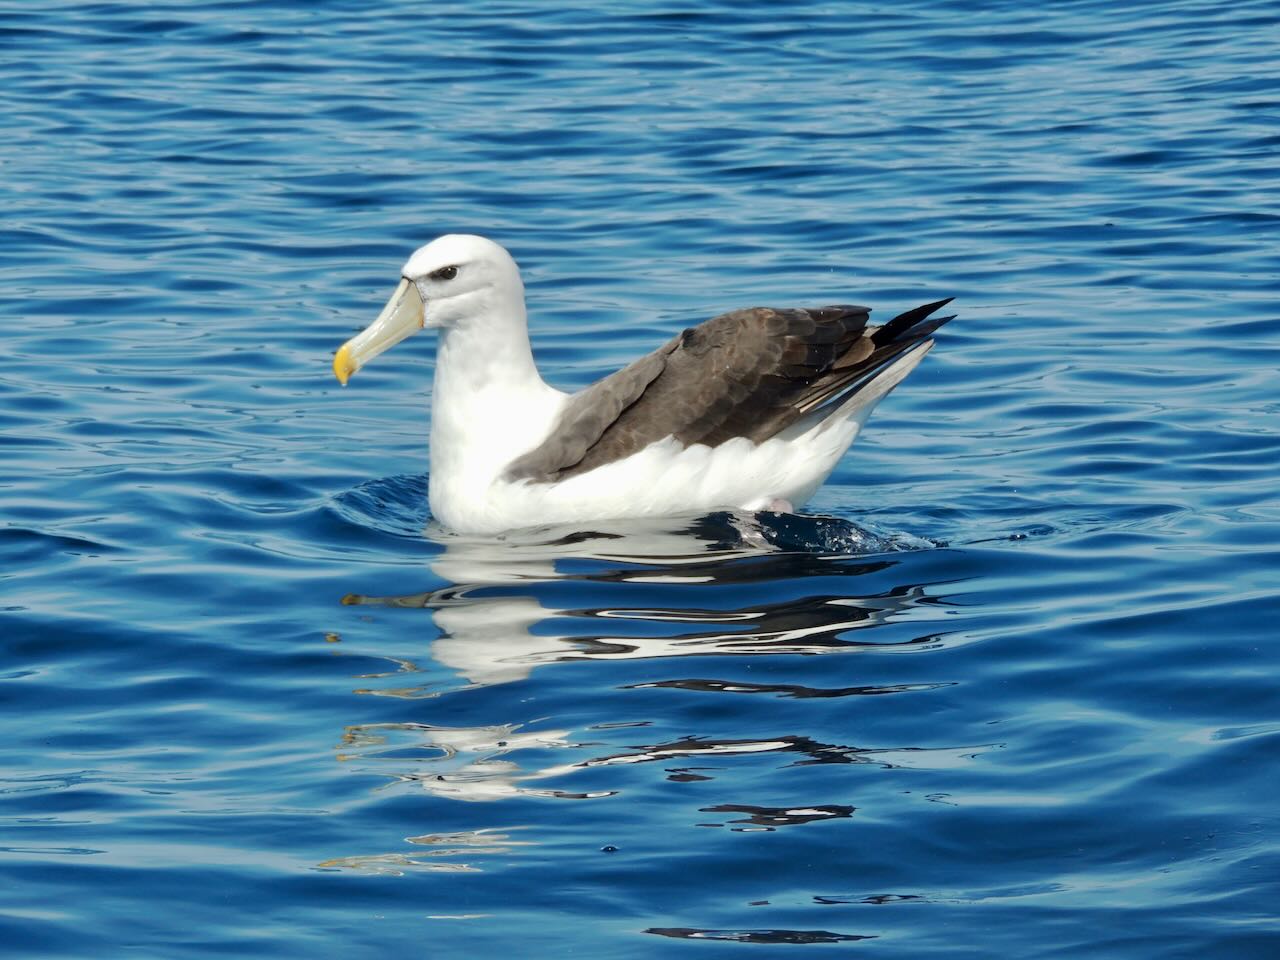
(1008, 690)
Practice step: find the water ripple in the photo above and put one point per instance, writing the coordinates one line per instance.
(1010, 675)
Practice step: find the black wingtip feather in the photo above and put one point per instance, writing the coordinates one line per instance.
(905, 322)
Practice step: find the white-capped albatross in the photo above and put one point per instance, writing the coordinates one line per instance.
(748, 411)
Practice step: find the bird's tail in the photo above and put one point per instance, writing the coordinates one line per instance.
(898, 347)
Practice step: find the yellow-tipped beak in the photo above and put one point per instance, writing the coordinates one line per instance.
(404, 314)
(343, 365)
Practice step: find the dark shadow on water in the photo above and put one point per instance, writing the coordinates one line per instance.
(758, 936)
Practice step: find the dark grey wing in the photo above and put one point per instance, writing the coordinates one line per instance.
(750, 373)
(589, 414)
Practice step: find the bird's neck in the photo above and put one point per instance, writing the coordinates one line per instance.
(489, 403)
(486, 358)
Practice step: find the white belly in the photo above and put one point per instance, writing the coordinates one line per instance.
(664, 479)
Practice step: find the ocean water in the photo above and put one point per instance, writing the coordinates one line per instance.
(1009, 688)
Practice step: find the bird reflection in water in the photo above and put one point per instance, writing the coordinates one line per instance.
(487, 637)
(502, 614)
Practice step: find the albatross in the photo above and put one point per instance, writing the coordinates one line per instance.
(749, 411)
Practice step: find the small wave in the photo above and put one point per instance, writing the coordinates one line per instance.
(25, 544)
(394, 505)
(834, 535)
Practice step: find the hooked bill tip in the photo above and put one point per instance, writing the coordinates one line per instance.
(343, 365)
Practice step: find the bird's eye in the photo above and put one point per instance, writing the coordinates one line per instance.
(444, 273)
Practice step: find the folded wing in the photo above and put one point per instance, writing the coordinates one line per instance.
(750, 373)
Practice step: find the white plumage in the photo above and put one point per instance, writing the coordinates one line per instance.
(491, 406)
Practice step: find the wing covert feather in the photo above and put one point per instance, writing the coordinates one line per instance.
(749, 373)
(588, 414)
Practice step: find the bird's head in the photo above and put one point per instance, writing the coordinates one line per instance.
(448, 283)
